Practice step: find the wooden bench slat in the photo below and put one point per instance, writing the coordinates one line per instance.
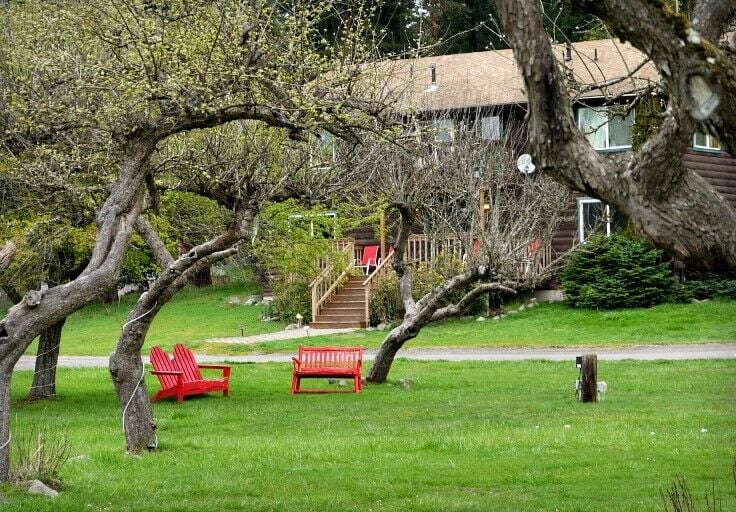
(180, 376)
(314, 362)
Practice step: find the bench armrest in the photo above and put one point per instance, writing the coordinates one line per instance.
(225, 368)
(167, 372)
(297, 363)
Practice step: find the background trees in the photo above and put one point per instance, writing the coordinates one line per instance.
(121, 77)
(439, 184)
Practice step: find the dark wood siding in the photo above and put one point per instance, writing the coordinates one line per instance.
(565, 237)
(719, 169)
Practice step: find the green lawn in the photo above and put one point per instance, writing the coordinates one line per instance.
(191, 317)
(466, 437)
(195, 315)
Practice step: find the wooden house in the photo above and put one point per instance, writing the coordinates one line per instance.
(483, 91)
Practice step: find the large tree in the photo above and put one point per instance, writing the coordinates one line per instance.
(668, 204)
(486, 219)
(129, 74)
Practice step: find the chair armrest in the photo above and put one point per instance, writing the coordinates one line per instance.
(297, 363)
(225, 368)
(179, 375)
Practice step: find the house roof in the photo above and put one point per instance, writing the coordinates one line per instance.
(489, 78)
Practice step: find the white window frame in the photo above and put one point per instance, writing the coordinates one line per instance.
(605, 127)
(581, 220)
(708, 142)
(328, 213)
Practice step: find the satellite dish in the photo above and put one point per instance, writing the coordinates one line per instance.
(524, 164)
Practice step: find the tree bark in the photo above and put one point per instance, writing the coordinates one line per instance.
(126, 366)
(389, 348)
(47, 356)
(127, 372)
(7, 253)
(671, 206)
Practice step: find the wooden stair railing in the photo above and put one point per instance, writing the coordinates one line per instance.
(380, 270)
(328, 281)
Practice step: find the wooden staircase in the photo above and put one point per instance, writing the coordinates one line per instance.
(346, 308)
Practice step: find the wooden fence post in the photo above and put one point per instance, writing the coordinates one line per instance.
(589, 378)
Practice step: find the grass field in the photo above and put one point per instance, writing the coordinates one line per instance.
(195, 315)
(465, 437)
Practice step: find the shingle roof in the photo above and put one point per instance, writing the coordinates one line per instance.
(491, 77)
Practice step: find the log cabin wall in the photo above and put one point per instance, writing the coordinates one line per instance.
(718, 169)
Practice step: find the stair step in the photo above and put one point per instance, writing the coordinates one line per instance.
(351, 293)
(340, 308)
(337, 325)
(336, 315)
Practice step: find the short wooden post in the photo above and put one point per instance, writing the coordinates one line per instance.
(589, 378)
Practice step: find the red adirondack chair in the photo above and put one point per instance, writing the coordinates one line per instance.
(181, 375)
(369, 259)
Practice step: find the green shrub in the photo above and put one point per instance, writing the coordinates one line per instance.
(291, 298)
(708, 286)
(386, 305)
(618, 272)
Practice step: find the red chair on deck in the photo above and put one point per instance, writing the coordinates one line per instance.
(369, 259)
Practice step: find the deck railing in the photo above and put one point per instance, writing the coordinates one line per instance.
(423, 248)
(328, 281)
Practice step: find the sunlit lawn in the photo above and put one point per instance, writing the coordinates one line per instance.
(195, 315)
(466, 437)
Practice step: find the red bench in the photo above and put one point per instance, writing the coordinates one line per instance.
(327, 362)
(181, 377)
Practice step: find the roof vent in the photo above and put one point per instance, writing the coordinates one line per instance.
(595, 54)
(433, 68)
(568, 52)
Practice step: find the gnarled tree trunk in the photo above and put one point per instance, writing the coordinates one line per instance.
(47, 357)
(126, 367)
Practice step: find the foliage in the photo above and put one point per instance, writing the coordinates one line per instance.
(192, 219)
(39, 455)
(291, 298)
(385, 305)
(49, 250)
(617, 272)
(708, 286)
(462, 26)
(291, 240)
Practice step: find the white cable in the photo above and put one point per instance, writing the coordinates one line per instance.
(126, 324)
(143, 372)
(10, 436)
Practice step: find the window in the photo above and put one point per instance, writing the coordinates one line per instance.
(595, 217)
(325, 152)
(490, 128)
(605, 129)
(706, 141)
(444, 130)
